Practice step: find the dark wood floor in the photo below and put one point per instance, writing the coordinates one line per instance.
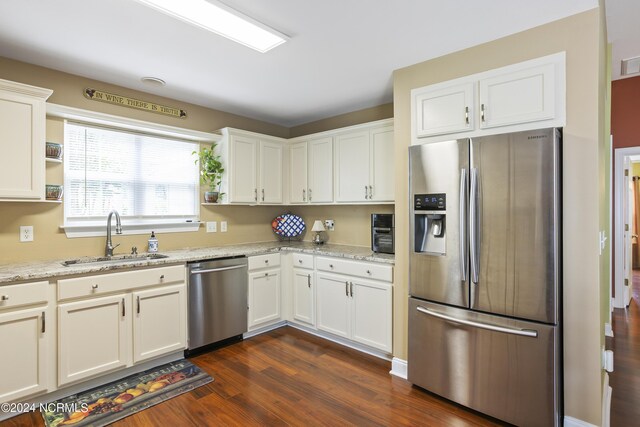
(288, 377)
(625, 380)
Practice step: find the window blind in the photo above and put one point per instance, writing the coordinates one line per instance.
(141, 176)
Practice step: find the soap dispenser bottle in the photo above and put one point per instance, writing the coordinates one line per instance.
(153, 243)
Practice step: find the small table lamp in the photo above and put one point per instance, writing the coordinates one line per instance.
(317, 227)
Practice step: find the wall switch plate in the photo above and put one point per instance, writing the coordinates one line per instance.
(329, 224)
(223, 226)
(212, 226)
(26, 233)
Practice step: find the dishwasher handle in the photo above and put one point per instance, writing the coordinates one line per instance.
(213, 270)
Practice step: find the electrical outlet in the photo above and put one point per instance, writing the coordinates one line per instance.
(26, 233)
(223, 226)
(329, 224)
(212, 226)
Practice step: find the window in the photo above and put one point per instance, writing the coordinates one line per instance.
(151, 181)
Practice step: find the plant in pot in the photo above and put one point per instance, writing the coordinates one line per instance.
(211, 170)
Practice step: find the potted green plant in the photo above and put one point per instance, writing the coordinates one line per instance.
(211, 170)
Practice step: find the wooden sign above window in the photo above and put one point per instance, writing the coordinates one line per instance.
(110, 98)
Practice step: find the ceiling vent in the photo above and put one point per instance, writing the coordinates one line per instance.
(153, 81)
(631, 66)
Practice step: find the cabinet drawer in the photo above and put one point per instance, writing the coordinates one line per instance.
(23, 294)
(264, 261)
(356, 268)
(117, 282)
(302, 260)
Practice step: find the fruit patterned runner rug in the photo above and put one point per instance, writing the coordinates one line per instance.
(103, 405)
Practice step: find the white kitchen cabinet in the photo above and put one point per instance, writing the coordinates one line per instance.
(94, 337)
(333, 304)
(364, 166)
(441, 109)
(298, 173)
(254, 167)
(304, 296)
(320, 173)
(265, 291)
(159, 322)
(22, 141)
(518, 97)
(24, 335)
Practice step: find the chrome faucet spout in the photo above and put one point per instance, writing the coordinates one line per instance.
(108, 250)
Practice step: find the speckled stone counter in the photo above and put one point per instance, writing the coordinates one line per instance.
(42, 270)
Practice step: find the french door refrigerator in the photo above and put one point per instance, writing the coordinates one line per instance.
(485, 275)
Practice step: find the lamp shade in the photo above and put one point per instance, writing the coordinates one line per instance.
(317, 226)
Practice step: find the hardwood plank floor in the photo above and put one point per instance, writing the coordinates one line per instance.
(625, 379)
(287, 377)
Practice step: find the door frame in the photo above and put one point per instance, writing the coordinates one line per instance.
(619, 220)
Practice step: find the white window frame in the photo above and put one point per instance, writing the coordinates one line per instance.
(131, 226)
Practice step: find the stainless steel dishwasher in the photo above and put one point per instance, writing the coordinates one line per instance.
(217, 301)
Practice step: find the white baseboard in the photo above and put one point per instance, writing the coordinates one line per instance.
(264, 329)
(574, 422)
(608, 330)
(399, 368)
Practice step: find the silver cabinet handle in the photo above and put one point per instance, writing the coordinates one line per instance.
(473, 226)
(309, 194)
(138, 304)
(304, 195)
(211, 270)
(481, 325)
(44, 323)
(371, 192)
(255, 194)
(463, 225)
(482, 112)
(263, 194)
(5, 298)
(300, 261)
(94, 287)
(162, 277)
(309, 280)
(466, 115)
(123, 309)
(366, 194)
(351, 287)
(346, 288)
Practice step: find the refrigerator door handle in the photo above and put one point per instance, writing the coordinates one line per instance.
(473, 226)
(463, 225)
(481, 325)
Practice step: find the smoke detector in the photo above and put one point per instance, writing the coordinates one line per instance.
(631, 66)
(153, 81)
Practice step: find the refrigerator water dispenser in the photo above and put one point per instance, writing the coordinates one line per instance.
(430, 223)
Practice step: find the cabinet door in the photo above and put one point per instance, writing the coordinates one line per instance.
(321, 170)
(22, 135)
(352, 167)
(243, 186)
(264, 298)
(23, 369)
(271, 154)
(93, 337)
(439, 110)
(303, 292)
(371, 314)
(518, 97)
(298, 173)
(382, 167)
(333, 304)
(159, 322)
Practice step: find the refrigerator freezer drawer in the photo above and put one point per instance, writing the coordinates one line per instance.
(502, 367)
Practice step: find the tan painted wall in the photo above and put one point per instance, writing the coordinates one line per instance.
(356, 117)
(579, 37)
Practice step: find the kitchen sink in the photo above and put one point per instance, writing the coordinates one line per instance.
(112, 259)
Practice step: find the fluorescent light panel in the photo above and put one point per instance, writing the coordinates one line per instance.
(221, 20)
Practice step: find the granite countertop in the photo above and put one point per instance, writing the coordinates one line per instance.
(46, 269)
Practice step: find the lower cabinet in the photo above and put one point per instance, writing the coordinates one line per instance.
(23, 370)
(264, 298)
(93, 337)
(303, 296)
(357, 309)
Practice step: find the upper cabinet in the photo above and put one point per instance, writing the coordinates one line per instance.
(22, 141)
(254, 167)
(364, 163)
(518, 97)
(311, 171)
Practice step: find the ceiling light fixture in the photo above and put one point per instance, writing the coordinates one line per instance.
(222, 20)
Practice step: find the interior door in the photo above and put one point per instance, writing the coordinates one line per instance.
(437, 168)
(628, 231)
(515, 228)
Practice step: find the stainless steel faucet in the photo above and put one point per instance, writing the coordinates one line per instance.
(108, 250)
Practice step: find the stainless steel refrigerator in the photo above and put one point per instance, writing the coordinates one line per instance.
(485, 274)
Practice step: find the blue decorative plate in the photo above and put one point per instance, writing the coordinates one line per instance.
(288, 225)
